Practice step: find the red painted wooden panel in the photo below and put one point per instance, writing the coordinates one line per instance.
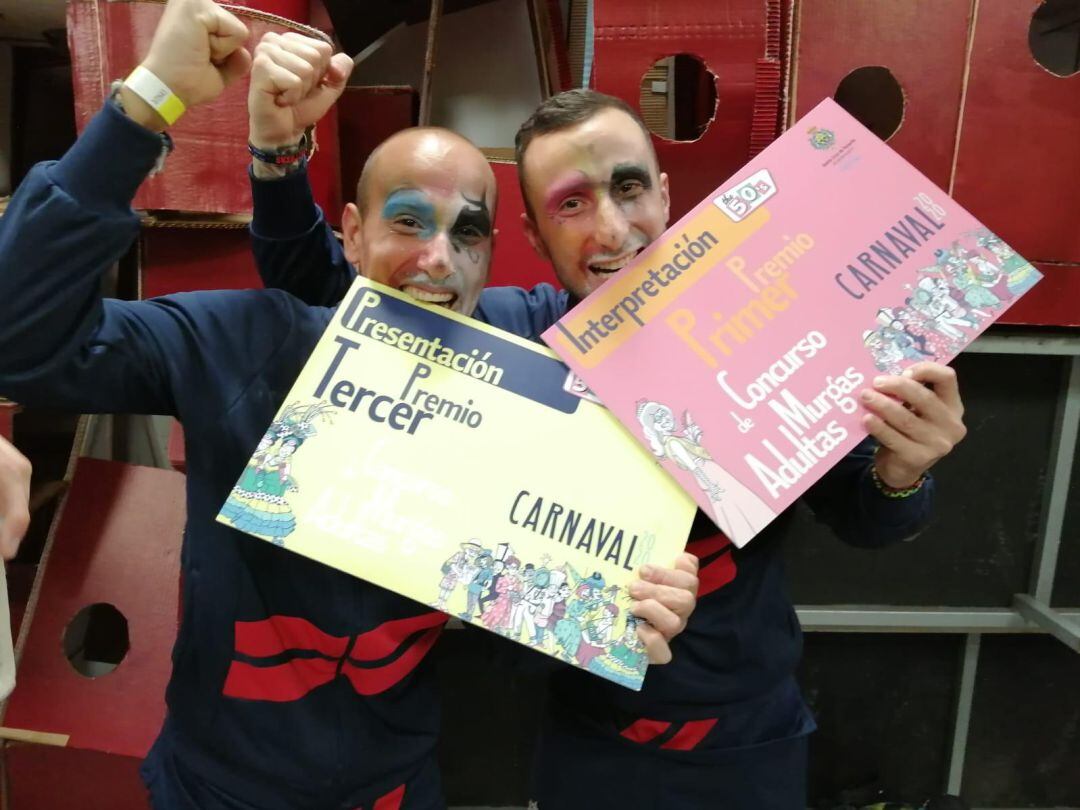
(733, 39)
(514, 261)
(367, 116)
(41, 777)
(118, 542)
(184, 259)
(1018, 161)
(921, 42)
(207, 171)
(1055, 301)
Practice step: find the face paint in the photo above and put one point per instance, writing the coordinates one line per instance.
(597, 196)
(471, 228)
(560, 199)
(433, 245)
(473, 221)
(629, 178)
(409, 208)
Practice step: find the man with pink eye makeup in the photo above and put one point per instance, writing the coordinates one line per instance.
(594, 197)
(725, 725)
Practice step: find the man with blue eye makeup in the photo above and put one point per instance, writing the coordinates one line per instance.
(422, 220)
(725, 725)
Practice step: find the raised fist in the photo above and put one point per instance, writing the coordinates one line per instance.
(294, 81)
(197, 49)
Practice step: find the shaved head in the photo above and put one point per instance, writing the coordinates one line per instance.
(424, 216)
(432, 145)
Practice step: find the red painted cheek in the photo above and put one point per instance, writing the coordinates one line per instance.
(393, 263)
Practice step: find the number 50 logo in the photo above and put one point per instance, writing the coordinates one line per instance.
(741, 200)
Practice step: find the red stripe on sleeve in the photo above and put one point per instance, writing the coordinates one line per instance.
(388, 636)
(279, 684)
(378, 679)
(392, 800)
(716, 575)
(709, 545)
(645, 730)
(688, 737)
(276, 634)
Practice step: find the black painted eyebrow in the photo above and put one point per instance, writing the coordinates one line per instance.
(474, 214)
(630, 171)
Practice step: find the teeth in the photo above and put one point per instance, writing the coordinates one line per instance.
(428, 297)
(612, 266)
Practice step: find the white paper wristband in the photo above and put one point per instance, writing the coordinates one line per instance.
(156, 93)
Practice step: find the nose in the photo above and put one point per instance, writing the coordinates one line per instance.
(435, 260)
(611, 225)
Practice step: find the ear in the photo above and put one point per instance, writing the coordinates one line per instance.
(533, 235)
(665, 197)
(352, 227)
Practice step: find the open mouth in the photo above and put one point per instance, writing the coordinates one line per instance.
(613, 265)
(440, 298)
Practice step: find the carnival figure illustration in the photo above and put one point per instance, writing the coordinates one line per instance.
(887, 356)
(596, 635)
(258, 504)
(935, 341)
(549, 591)
(528, 603)
(626, 659)
(1021, 275)
(932, 298)
(496, 615)
(912, 343)
(588, 597)
(477, 583)
(459, 569)
(738, 512)
(554, 609)
(964, 286)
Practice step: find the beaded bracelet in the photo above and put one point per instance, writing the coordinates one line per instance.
(893, 492)
(297, 154)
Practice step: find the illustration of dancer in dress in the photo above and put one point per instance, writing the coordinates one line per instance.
(554, 611)
(587, 598)
(258, 504)
(626, 659)
(738, 512)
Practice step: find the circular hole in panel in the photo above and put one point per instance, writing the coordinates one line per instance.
(874, 97)
(1054, 36)
(96, 640)
(678, 97)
